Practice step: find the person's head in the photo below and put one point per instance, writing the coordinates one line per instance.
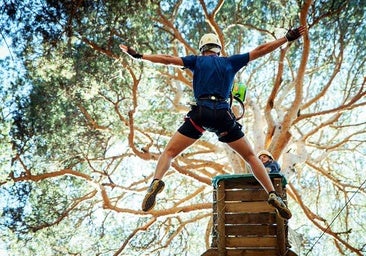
(265, 156)
(210, 42)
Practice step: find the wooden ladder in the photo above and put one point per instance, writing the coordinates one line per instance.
(243, 222)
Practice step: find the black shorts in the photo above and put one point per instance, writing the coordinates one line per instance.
(220, 121)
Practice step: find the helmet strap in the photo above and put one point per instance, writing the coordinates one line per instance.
(211, 47)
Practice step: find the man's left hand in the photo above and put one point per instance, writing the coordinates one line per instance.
(294, 34)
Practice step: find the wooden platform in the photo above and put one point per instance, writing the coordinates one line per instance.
(244, 223)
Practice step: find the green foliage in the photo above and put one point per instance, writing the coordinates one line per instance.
(82, 124)
(14, 213)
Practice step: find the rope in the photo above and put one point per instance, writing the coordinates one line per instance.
(337, 215)
(241, 103)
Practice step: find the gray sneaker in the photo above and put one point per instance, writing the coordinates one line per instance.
(155, 188)
(277, 202)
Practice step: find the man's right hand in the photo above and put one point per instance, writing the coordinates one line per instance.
(130, 51)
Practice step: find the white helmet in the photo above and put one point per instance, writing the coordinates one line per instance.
(265, 152)
(212, 43)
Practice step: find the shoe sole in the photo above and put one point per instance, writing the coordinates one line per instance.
(149, 200)
(282, 212)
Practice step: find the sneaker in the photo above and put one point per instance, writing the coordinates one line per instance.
(155, 188)
(277, 202)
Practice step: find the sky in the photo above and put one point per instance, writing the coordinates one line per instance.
(4, 51)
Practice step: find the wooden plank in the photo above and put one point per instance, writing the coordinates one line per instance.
(251, 230)
(245, 195)
(242, 252)
(251, 242)
(246, 207)
(243, 183)
(251, 252)
(249, 207)
(251, 218)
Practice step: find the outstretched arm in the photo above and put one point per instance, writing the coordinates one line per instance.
(263, 49)
(155, 58)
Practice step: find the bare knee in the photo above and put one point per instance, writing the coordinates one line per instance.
(251, 157)
(176, 145)
(170, 152)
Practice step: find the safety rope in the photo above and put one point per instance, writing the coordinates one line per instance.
(241, 103)
(337, 215)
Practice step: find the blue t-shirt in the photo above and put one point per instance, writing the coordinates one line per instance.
(273, 166)
(214, 75)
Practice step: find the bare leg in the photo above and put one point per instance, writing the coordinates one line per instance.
(243, 147)
(176, 145)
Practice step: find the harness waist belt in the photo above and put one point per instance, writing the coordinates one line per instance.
(212, 97)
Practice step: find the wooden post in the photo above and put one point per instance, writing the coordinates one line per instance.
(221, 243)
(281, 236)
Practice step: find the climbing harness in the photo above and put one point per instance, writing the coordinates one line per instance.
(238, 93)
